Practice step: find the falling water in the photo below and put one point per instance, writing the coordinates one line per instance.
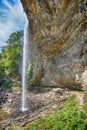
(25, 60)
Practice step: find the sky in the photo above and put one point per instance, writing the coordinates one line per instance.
(11, 19)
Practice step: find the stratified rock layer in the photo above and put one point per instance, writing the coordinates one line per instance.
(58, 46)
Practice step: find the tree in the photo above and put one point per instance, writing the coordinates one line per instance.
(10, 58)
(11, 54)
(15, 38)
(1, 67)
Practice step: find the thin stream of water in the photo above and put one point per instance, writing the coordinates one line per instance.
(25, 61)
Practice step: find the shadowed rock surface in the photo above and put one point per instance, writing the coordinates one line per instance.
(58, 42)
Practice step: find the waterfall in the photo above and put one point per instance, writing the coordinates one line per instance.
(25, 61)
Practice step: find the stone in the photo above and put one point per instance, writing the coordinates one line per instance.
(57, 47)
(39, 105)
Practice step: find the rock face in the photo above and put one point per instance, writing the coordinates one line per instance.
(58, 41)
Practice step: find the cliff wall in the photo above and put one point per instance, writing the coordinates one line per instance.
(58, 45)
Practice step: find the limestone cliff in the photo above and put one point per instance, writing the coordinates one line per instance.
(58, 47)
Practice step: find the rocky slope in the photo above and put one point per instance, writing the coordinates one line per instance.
(58, 42)
(39, 105)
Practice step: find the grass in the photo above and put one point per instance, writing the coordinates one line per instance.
(85, 107)
(67, 118)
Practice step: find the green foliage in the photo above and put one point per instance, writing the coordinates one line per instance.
(11, 53)
(1, 66)
(7, 83)
(85, 107)
(13, 128)
(67, 118)
(10, 59)
(15, 38)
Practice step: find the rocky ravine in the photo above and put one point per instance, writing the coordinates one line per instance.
(58, 42)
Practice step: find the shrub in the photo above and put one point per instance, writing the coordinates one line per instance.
(67, 118)
(85, 107)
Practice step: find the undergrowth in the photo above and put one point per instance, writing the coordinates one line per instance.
(66, 118)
